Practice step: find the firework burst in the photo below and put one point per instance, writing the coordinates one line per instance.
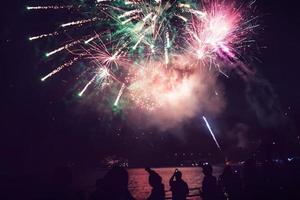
(150, 49)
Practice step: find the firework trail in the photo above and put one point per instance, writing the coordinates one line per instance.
(119, 95)
(137, 43)
(211, 132)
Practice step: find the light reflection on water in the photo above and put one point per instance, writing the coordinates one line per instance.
(139, 186)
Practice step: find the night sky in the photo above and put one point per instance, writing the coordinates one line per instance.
(44, 123)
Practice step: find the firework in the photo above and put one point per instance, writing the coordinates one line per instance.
(49, 7)
(119, 94)
(211, 132)
(136, 44)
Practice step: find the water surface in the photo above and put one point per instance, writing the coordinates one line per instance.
(140, 189)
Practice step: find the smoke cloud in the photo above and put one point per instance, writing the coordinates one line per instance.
(168, 97)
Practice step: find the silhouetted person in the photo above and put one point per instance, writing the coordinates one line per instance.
(114, 186)
(210, 189)
(158, 189)
(231, 183)
(178, 186)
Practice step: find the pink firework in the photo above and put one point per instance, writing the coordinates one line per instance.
(219, 32)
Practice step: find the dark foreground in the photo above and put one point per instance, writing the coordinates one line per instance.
(277, 179)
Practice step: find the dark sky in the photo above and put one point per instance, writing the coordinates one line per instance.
(41, 122)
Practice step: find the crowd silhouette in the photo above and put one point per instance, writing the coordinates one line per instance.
(253, 180)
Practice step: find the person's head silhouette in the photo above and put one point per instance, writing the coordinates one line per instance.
(207, 169)
(178, 175)
(154, 178)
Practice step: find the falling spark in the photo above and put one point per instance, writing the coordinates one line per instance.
(86, 86)
(182, 17)
(182, 5)
(168, 40)
(48, 7)
(223, 73)
(211, 132)
(80, 22)
(119, 95)
(166, 56)
(62, 48)
(43, 36)
(147, 17)
(198, 13)
(67, 64)
(91, 39)
(138, 42)
(129, 2)
(129, 13)
(101, 75)
(152, 48)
